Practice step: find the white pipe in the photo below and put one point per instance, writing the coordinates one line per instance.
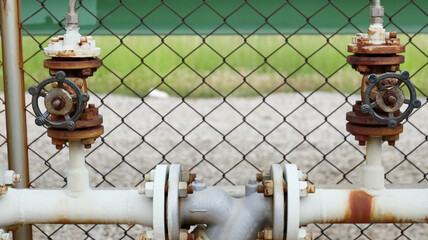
(77, 173)
(227, 217)
(33, 206)
(373, 171)
(365, 206)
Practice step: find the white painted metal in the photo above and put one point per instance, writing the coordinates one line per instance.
(373, 171)
(35, 206)
(278, 202)
(173, 218)
(159, 225)
(5, 235)
(388, 205)
(77, 173)
(227, 217)
(291, 176)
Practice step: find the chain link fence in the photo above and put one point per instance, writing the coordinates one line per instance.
(183, 113)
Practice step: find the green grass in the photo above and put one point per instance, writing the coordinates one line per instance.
(263, 76)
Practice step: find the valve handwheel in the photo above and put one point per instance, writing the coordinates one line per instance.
(390, 97)
(58, 101)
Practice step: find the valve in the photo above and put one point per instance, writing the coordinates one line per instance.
(58, 101)
(390, 97)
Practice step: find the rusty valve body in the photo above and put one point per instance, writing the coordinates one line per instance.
(88, 126)
(75, 57)
(376, 59)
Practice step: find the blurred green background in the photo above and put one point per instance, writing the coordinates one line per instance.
(146, 44)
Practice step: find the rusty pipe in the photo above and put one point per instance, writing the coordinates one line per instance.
(397, 205)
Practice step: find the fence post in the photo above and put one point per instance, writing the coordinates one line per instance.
(14, 98)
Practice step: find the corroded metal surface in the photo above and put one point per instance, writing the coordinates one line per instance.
(58, 101)
(377, 59)
(88, 126)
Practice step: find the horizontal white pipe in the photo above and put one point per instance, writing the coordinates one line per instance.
(31, 206)
(365, 206)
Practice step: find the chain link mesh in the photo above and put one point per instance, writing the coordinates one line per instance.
(228, 137)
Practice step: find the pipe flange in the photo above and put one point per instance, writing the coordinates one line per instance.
(291, 176)
(173, 219)
(159, 202)
(278, 202)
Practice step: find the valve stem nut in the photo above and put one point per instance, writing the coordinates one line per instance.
(182, 189)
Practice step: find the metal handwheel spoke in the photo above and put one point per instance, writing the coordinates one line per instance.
(46, 114)
(390, 98)
(59, 101)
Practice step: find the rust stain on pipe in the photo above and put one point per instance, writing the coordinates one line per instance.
(63, 220)
(360, 207)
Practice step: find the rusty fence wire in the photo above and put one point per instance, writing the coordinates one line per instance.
(227, 137)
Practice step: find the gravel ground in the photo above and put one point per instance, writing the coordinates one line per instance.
(121, 157)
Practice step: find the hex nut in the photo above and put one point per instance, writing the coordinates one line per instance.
(377, 11)
(185, 176)
(266, 175)
(268, 233)
(72, 18)
(268, 188)
(311, 188)
(141, 189)
(260, 188)
(150, 177)
(302, 176)
(259, 177)
(148, 235)
(149, 188)
(185, 235)
(10, 177)
(182, 189)
(303, 188)
(303, 235)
